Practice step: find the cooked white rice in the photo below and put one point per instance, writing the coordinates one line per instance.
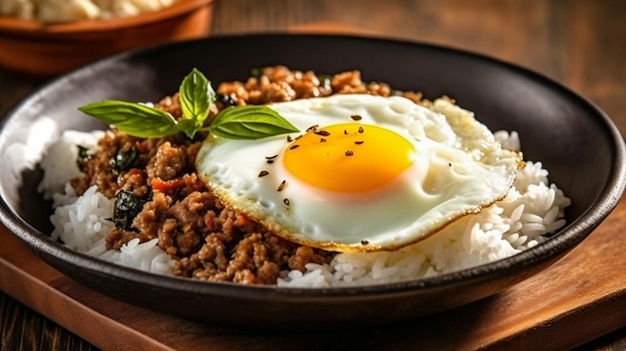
(82, 222)
(532, 208)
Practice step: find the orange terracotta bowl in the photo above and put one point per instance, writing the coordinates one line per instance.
(45, 50)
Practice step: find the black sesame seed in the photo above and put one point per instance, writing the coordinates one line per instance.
(349, 153)
(263, 173)
(361, 130)
(289, 138)
(356, 117)
(449, 164)
(364, 242)
(322, 133)
(312, 128)
(286, 202)
(282, 185)
(345, 132)
(359, 142)
(322, 140)
(294, 146)
(270, 161)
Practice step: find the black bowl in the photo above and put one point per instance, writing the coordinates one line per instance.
(575, 140)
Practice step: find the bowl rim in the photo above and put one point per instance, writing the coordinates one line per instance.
(17, 26)
(567, 237)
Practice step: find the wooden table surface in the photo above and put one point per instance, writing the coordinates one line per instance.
(580, 43)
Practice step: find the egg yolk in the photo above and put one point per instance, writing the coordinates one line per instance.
(348, 158)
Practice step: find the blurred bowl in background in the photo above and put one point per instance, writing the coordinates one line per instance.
(51, 49)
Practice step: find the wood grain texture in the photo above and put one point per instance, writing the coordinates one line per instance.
(576, 42)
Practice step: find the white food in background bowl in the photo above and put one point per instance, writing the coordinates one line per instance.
(57, 11)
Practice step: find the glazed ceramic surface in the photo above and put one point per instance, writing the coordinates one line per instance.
(576, 142)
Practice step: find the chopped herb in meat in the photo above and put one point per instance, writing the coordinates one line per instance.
(83, 154)
(127, 206)
(123, 160)
(226, 99)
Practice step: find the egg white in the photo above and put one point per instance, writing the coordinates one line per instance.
(459, 169)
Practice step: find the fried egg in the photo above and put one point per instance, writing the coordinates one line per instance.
(366, 173)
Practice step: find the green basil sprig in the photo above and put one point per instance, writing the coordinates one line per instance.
(133, 118)
(196, 97)
(250, 122)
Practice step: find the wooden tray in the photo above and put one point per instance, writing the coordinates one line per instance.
(576, 300)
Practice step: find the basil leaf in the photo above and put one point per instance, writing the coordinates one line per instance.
(123, 160)
(250, 122)
(83, 154)
(196, 96)
(127, 207)
(132, 118)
